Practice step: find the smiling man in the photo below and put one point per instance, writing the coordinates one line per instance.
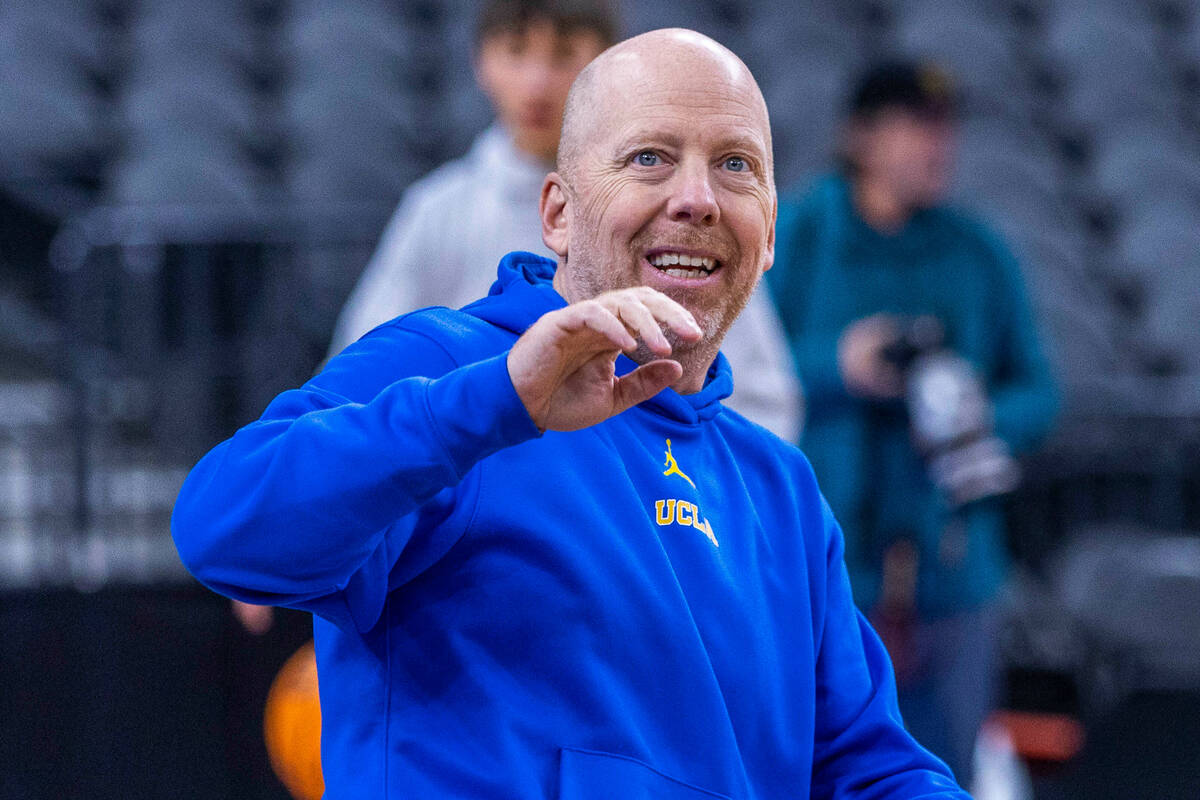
(442, 244)
(544, 560)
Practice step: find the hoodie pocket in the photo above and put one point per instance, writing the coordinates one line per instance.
(589, 775)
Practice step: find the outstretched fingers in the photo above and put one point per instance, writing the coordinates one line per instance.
(641, 323)
(598, 319)
(671, 314)
(645, 312)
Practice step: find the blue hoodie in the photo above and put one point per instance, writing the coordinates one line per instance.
(653, 607)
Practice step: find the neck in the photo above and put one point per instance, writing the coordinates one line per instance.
(694, 358)
(543, 157)
(879, 206)
(695, 362)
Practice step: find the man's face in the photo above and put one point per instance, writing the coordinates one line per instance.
(911, 153)
(673, 190)
(526, 73)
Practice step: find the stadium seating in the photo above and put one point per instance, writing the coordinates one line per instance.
(1080, 115)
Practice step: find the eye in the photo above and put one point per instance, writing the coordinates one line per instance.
(647, 158)
(736, 164)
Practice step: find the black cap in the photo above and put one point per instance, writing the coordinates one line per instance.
(922, 88)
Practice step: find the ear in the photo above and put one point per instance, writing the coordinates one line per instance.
(555, 217)
(769, 255)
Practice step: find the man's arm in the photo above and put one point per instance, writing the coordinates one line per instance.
(862, 751)
(312, 505)
(1024, 396)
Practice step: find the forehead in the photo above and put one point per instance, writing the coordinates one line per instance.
(898, 117)
(706, 100)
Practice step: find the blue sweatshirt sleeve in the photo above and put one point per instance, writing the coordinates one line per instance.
(861, 749)
(314, 504)
(1023, 392)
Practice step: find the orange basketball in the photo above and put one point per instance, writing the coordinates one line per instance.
(292, 726)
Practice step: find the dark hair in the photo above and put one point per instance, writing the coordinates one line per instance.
(917, 86)
(567, 16)
(920, 87)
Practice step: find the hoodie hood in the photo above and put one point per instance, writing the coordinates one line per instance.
(524, 291)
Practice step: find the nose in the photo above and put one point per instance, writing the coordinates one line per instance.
(537, 76)
(692, 197)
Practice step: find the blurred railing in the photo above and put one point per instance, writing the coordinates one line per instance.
(179, 324)
(1142, 471)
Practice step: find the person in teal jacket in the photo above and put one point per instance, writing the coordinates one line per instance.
(858, 255)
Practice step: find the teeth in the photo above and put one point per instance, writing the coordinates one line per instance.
(686, 273)
(670, 259)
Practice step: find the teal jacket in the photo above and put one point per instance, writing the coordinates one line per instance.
(832, 269)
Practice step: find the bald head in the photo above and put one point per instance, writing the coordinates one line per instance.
(634, 65)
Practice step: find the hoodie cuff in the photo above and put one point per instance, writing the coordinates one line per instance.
(476, 411)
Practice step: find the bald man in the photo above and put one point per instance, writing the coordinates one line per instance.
(544, 560)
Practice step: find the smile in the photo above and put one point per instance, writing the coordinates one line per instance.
(682, 265)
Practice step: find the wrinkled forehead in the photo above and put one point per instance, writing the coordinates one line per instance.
(701, 86)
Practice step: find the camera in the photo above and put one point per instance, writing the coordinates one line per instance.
(950, 415)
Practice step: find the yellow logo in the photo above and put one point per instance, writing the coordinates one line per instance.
(684, 512)
(673, 466)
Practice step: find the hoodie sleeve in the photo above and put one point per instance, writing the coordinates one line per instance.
(1023, 392)
(861, 749)
(314, 504)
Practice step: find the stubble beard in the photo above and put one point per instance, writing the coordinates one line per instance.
(697, 357)
(590, 280)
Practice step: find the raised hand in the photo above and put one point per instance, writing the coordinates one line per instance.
(861, 361)
(563, 367)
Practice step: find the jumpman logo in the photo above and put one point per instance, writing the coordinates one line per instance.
(673, 466)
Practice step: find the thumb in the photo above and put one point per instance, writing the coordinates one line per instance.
(645, 382)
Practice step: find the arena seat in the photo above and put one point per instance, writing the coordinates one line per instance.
(160, 109)
(185, 175)
(71, 33)
(331, 179)
(337, 34)
(981, 56)
(1000, 162)
(47, 116)
(175, 31)
(1101, 44)
(1135, 164)
(1136, 596)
